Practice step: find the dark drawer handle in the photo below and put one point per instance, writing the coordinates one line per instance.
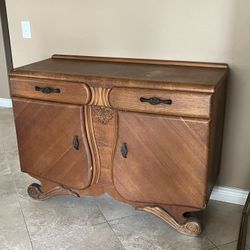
(47, 90)
(156, 100)
(124, 150)
(76, 143)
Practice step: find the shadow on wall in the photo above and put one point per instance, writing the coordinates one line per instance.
(236, 147)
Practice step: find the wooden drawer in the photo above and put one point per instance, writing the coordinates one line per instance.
(50, 90)
(161, 102)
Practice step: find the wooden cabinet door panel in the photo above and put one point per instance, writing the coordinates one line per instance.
(45, 133)
(166, 159)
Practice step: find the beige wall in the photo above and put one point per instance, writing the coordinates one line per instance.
(4, 87)
(216, 30)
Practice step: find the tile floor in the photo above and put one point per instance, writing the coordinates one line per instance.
(92, 223)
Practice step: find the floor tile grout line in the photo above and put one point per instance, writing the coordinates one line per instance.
(93, 225)
(217, 246)
(50, 237)
(109, 222)
(31, 241)
(226, 244)
(5, 159)
(214, 245)
(17, 196)
(123, 217)
(26, 226)
(20, 205)
(110, 227)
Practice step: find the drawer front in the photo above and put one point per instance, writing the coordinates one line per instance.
(161, 102)
(49, 90)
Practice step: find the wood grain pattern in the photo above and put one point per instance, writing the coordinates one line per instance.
(70, 92)
(107, 73)
(141, 61)
(102, 145)
(216, 135)
(171, 157)
(45, 133)
(183, 104)
(165, 156)
(106, 142)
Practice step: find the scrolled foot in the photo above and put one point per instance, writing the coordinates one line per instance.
(191, 226)
(37, 192)
(34, 191)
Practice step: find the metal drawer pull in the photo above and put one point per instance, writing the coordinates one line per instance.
(47, 90)
(124, 150)
(156, 100)
(76, 143)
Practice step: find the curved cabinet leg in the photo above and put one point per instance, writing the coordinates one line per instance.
(190, 226)
(43, 192)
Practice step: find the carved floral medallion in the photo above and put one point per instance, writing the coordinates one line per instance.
(103, 114)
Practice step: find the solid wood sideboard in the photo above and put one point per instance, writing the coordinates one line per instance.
(147, 132)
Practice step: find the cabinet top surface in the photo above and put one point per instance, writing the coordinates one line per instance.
(204, 75)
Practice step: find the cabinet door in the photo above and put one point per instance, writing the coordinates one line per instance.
(52, 142)
(161, 159)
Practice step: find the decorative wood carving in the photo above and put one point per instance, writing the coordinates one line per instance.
(101, 106)
(106, 143)
(103, 114)
(92, 143)
(36, 192)
(100, 97)
(191, 227)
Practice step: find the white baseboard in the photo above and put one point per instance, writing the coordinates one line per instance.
(231, 195)
(6, 103)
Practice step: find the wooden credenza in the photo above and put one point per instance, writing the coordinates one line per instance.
(147, 132)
